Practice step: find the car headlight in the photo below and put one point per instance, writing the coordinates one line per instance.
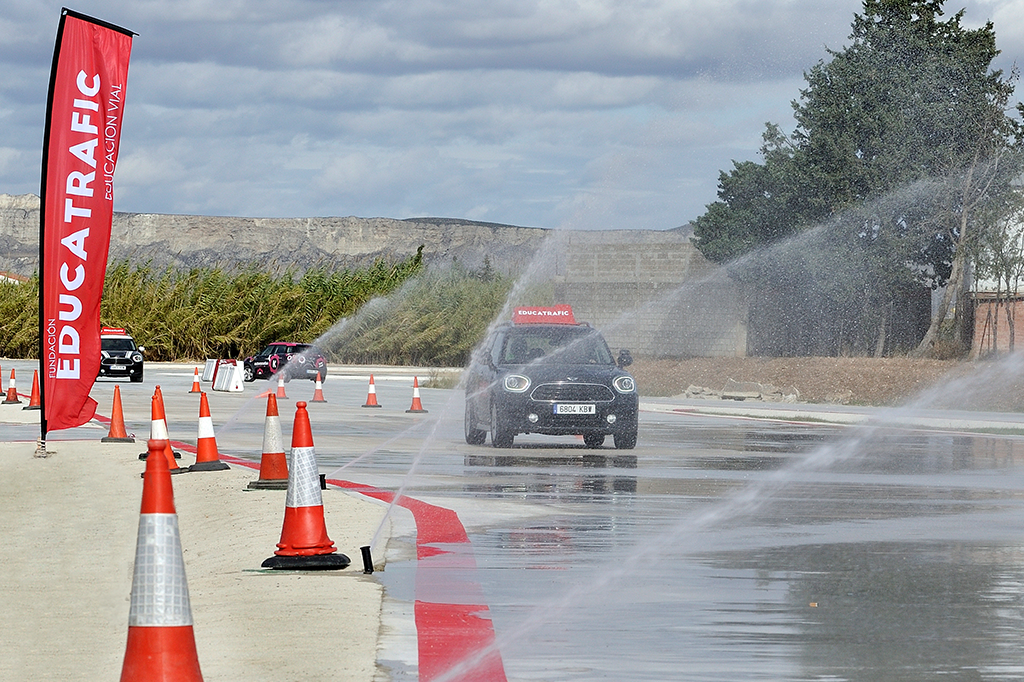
(624, 384)
(516, 383)
(136, 357)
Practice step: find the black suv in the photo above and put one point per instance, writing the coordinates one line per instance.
(119, 356)
(296, 360)
(535, 376)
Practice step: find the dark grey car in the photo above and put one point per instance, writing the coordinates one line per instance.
(555, 379)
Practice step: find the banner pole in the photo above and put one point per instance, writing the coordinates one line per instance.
(41, 449)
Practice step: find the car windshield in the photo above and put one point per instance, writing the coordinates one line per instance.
(569, 345)
(116, 344)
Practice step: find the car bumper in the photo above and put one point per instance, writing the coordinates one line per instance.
(119, 370)
(525, 415)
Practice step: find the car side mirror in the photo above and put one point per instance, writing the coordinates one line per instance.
(625, 359)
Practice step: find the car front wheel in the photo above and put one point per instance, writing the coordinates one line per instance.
(593, 440)
(248, 374)
(501, 432)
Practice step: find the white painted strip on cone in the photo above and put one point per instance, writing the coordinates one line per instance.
(303, 479)
(158, 430)
(273, 439)
(206, 427)
(159, 587)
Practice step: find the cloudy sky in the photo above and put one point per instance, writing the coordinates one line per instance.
(590, 114)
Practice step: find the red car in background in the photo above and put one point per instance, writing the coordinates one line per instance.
(294, 360)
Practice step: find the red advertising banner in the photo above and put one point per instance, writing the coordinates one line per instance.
(80, 147)
(559, 314)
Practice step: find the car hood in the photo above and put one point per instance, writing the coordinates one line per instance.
(544, 372)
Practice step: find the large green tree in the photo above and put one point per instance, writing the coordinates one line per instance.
(903, 143)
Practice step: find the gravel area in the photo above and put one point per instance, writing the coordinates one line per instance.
(850, 381)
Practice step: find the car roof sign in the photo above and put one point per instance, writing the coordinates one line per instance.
(559, 314)
(113, 331)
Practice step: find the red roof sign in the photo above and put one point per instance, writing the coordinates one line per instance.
(559, 314)
(113, 331)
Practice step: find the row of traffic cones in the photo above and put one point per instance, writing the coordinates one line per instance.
(417, 404)
(11, 397)
(161, 640)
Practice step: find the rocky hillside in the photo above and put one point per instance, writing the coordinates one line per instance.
(197, 241)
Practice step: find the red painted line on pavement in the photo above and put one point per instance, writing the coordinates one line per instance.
(455, 642)
(449, 637)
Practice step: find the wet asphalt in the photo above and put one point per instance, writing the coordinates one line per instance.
(720, 548)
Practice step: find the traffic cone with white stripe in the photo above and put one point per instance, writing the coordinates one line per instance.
(12, 392)
(417, 405)
(371, 396)
(158, 432)
(33, 401)
(117, 433)
(195, 383)
(304, 543)
(318, 391)
(207, 457)
(273, 463)
(161, 642)
(280, 388)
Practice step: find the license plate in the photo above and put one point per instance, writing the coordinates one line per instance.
(119, 368)
(574, 408)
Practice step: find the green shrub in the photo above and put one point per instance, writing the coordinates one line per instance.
(211, 312)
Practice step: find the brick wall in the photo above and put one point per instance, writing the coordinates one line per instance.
(991, 330)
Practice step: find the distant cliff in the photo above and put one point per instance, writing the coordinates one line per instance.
(198, 241)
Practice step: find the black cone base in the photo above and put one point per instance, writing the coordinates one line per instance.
(215, 465)
(31, 407)
(269, 484)
(108, 439)
(317, 562)
(144, 455)
(411, 411)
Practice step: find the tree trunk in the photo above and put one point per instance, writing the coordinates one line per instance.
(953, 286)
(956, 274)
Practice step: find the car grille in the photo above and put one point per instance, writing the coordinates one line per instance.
(572, 392)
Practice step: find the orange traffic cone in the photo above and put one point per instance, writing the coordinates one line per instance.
(304, 543)
(280, 388)
(371, 396)
(158, 431)
(195, 383)
(12, 392)
(318, 391)
(117, 433)
(417, 406)
(33, 401)
(273, 463)
(207, 457)
(161, 642)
